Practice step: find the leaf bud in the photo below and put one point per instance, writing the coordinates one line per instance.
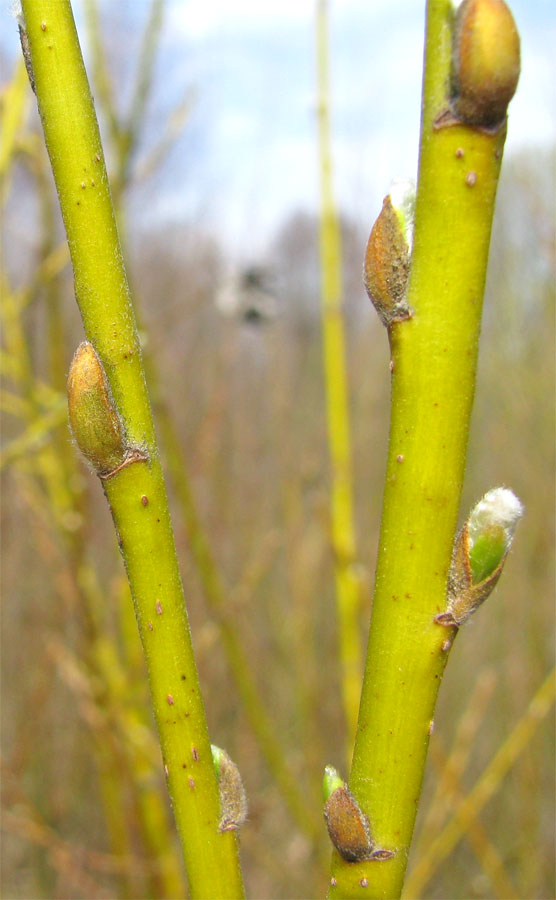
(485, 62)
(94, 420)
(387, 257)
(233, 799)
(348, 827)
(479, 554)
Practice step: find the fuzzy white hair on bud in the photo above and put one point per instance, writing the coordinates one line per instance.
(499, 507)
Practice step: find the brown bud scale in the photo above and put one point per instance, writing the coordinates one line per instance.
(348, 826)
(386, 269)
(233, 799)
(94, 419)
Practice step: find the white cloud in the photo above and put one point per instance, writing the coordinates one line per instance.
(199, 19)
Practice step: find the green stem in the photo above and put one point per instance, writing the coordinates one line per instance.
(433, 363)
(137, 494)
(339, 436)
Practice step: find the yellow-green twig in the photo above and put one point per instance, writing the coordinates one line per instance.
(337, 407)
(136, 493)
(14, 105)
(433, 364)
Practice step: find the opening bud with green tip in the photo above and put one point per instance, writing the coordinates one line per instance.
(332, 780)
(233, 799)
(94, 420)
(479, 554)
(485, 62)
(348, 826)
(387, 257)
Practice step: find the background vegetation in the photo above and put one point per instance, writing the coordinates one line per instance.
(85, 810)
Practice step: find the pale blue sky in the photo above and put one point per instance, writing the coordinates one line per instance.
(248, 154)
(255, 68)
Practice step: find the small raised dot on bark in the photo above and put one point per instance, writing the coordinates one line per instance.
(399, 458)
(170, 700)
(364, 882)
(195, 754)
(166, 772)
(460, 153)
(145, 500)
(191, 783)
(151, 626)
(43, 26)
(158, 608)
(471, 179)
